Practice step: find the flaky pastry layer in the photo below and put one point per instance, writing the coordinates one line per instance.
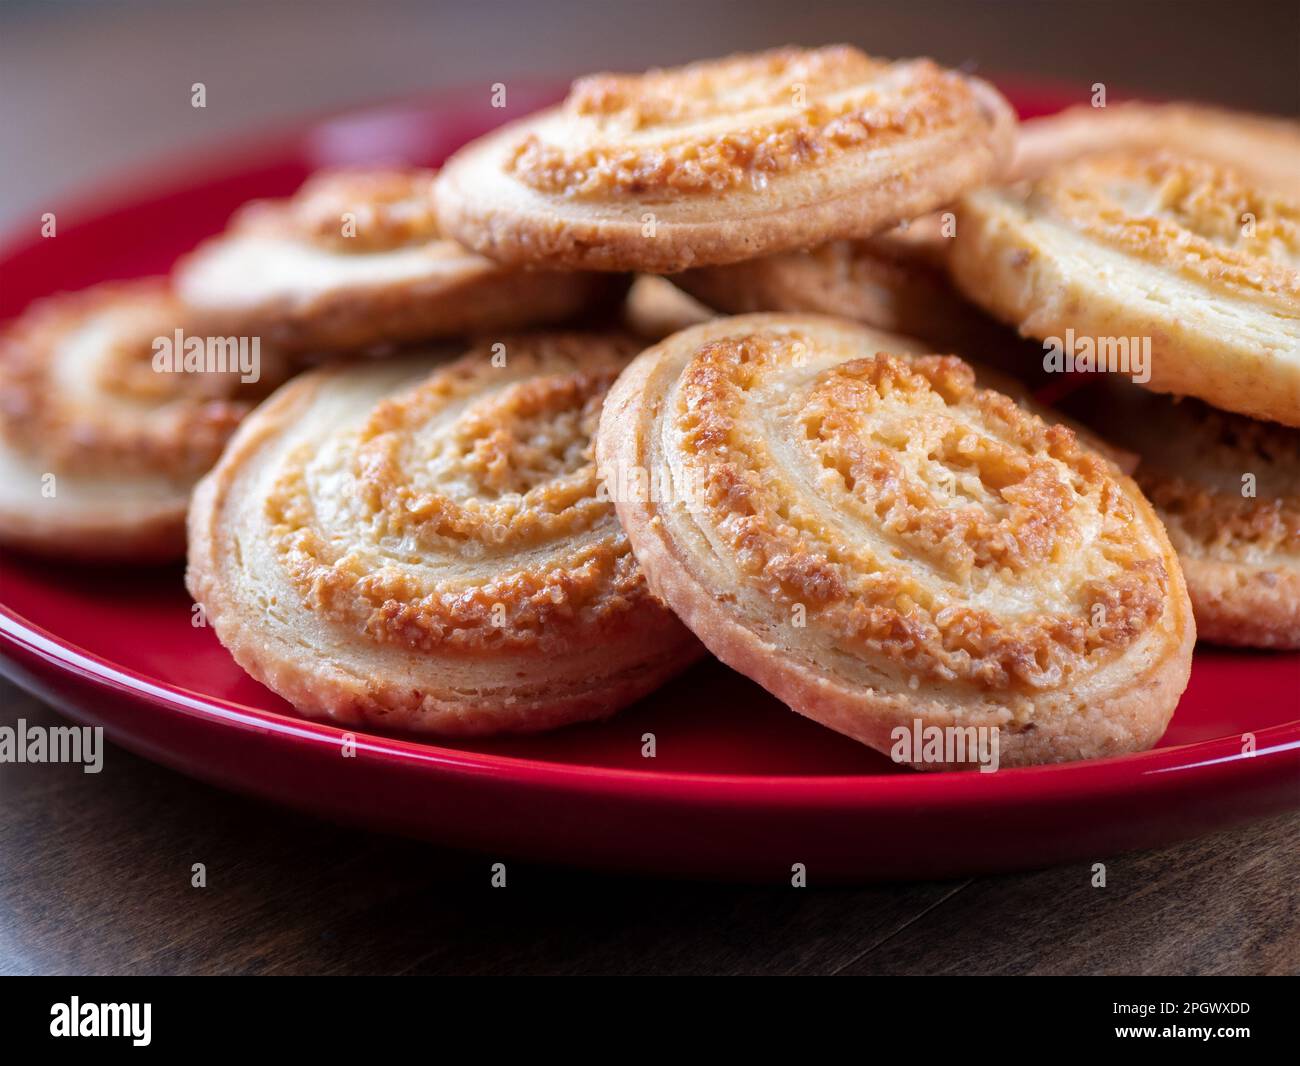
(725, 160)
(356, 259)
(1227, 488)
(1267, 148)
(431, 545)
(889, 282)
(1193, 260)
(99, 447)
(876, 539)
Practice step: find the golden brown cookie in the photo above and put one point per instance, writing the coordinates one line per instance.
(1190, 262)
(113, 402)
(890, 281)
(725, 160)
(1228, 491)
(1268, 148)
(357, 259)
(418, 544)
(881, 543)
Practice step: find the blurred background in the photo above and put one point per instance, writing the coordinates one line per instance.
(90, 89)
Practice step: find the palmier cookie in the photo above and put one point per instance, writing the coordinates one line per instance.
(1267, 148)
(880, 543)
(1227, 488)
(725, 160)
(656, 309)
(113, 402)
(1186, 259)
(888, 281)
(357, 259)
(419, 545)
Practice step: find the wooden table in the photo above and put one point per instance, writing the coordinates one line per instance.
(95, 874)
(95, 870)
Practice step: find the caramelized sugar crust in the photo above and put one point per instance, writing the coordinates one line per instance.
(961, 501)
(473, 522)
(1227, 489)
(893, 281)
(1217, 516)
(79, 392)
(1203, 220)
(352, 211)
(357, 259)
(1268, 148)
(737, 122)
(1195, 260)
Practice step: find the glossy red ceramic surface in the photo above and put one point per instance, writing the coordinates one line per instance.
(740, 787)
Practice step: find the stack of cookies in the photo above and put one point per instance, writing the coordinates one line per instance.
(474, 485)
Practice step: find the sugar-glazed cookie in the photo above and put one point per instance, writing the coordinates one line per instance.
(419, 545)
(1227, 488)
(357, 259)
(1187, 265)
(725, 160)
(1268, 148)
(892, 281)
(884, 545)
(113, 402)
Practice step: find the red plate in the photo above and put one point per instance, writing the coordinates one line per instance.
(740, 787)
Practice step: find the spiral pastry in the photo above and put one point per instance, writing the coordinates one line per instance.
(420, 545)
(1192, 260)
(725, 160)
(1228, 491)
(892, 281)
(879, 542)
(1269, 148)
(357, 259)
(101, 441)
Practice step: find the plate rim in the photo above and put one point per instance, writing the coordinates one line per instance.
(1087, 778)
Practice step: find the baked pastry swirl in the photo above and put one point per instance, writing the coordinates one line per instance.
(891, 281)
(356, 259)
(1194, 258)
(1268, 148)
(102, 433)
(419, 545)
(877, 541)
(725, 160)
(1228, 491)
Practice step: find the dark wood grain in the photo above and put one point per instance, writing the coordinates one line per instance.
(95, 878)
